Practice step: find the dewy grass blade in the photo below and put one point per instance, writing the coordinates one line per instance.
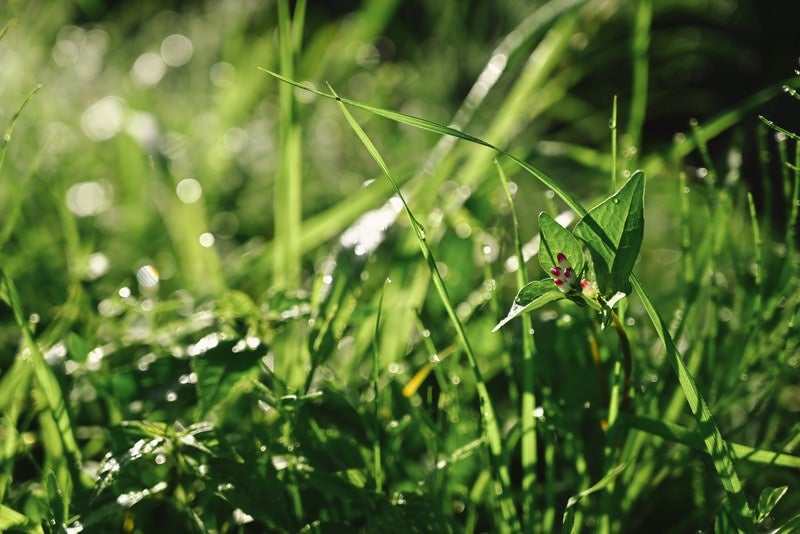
(716, 447)
(10, 128)
(491, 426)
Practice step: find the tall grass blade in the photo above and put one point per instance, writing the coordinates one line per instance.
(10, 128)
(288, 184)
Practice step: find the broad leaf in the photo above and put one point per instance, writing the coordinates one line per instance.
(534, 295)
(613, 233)
(554, 239)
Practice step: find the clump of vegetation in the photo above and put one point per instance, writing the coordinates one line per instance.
(239, 299)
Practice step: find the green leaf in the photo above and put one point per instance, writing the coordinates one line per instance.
(613, 233)
(767, 500)
(532, 296)
(555, 239)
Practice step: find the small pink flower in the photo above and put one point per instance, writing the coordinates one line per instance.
(563, 275)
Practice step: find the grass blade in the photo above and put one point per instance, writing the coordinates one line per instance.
(693, 439)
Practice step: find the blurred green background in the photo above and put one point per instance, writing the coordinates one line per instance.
(140, 100)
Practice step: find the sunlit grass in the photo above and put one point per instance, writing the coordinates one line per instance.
(232, 304)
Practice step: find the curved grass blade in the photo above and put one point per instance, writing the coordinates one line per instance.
(568, 522)
(693, 439)
(10, 129)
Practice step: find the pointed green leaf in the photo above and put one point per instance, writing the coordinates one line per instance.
(534, 295)
(554, 239)
(613, 232)
(767, 500)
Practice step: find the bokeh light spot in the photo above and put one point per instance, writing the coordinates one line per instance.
(89, 198)
(176, 50)
(148, 69)
(147, 276)
(103, 119)
(189, 190)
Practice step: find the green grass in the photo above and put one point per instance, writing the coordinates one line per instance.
(305, 343)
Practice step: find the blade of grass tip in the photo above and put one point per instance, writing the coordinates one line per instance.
(8, 25)
(528, 421)
(613, 127)
(491, 426)
(702, 146)
(568, 523)
(44, 376)
(758, 254)
(794, 207)
(686, 231)
(376, 446)
(785, 165)
(14, 117)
